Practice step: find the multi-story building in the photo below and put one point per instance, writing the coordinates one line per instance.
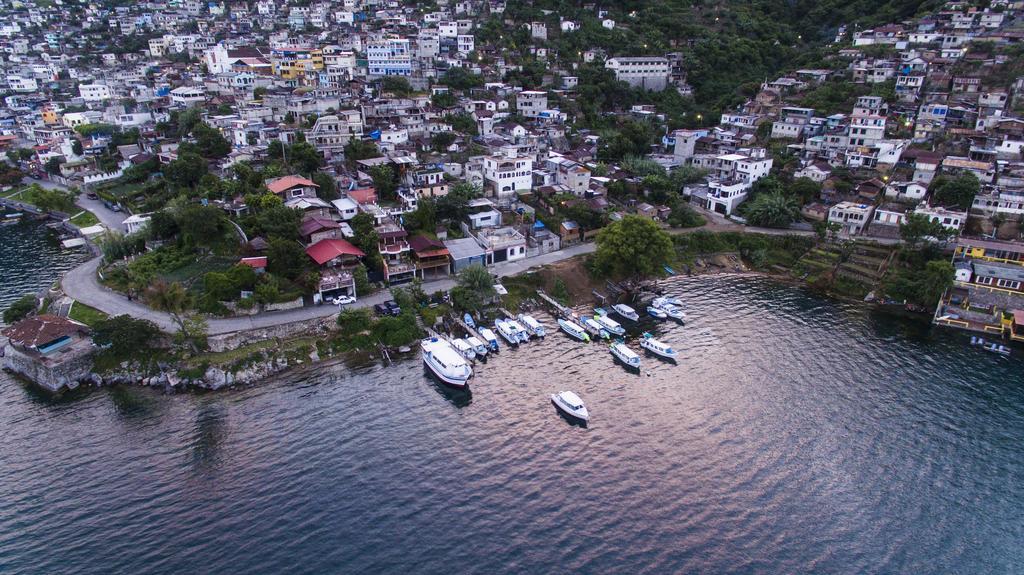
(647, 72)
(505, 175)
(94, 92)
(330, 134)
(530, 103)
(390, 57)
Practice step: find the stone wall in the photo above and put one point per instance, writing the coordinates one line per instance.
(236, 339)
(294, 304)
(68, 372)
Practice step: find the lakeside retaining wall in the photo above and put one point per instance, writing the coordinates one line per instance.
(236, 339)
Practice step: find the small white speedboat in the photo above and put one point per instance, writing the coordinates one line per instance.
(657, 347)
(478, 346)
(672, 300)
(625, 311)
(570, 404)
(573, 329)
(656, 313)
(445, 362)
(464, 348)
(521, 333)
(594, 328)
(506, 331)
(613, 327)
(627, 356)
(532, 325)
(489, 338)
(672, 310)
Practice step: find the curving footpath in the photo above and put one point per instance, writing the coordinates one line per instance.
(82, 284)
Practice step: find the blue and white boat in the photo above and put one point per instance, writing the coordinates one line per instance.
(463, 347)
(625, 311)
(532, 326)
(594, 328)
(610, 324)
(506, 331)
(573, 329)
(627, 356)
(489, 338)
(521, 332)
(656, 313)
(445, 362)
(657, 347)
(673, 311)
(672, 300)
(478, 346)
(468, 319)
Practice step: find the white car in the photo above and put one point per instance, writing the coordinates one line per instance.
(343, 300)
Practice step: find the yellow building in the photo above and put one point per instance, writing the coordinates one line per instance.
(296, 63)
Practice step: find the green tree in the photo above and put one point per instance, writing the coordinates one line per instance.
(362, 280)
(212, 145)
(51, 200)
(21, 308)
(385, 182)
(633, 247)
(424, 218)
(126, 336)
(357, 149)
(955, 192)
(304, 158)
(173, 300)
(186, 170)
(327, 187)
(922, 286)
(396, 85)
(474, 286)
(454, 206)
(918, 227)
(772, 210)
(805, 189)
(286, 258)
(201, 225)
(441, 140)
(76, 147)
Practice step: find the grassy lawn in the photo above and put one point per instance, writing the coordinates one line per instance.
(85, 314)
(84, 219)
(191, 273)
(13, 192)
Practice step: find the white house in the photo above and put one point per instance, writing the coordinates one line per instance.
(94, 92)
(851, 216)
(952, 220)
(906, 191)
(188, 96)
(507, 174)
(531, 103)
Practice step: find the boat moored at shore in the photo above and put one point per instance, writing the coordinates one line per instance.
(521, 332)
(506, 331)
(573, 329)
(489, 338)
(657, 347)
(626, 312)
(533, 327)
(672, 310)
(627, 356)
(594, 328)
(463, 347)
(479, 347)
(613, 327)
(656, 312)
(445, 362)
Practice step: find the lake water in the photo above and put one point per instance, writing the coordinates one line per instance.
(31, 259)
(796, 435)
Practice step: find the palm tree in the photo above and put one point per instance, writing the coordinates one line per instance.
(773, 210)
(172, 299)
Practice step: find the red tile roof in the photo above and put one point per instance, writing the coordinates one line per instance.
(327, 249)
(42, 329)
(363, 195)
(285, 183)
(256, 262)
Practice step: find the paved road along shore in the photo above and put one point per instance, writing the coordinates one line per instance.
(82, 284)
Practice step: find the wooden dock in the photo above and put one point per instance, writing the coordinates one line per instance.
(563, 311)
(470, 331)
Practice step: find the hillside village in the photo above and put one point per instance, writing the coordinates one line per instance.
(274, 154)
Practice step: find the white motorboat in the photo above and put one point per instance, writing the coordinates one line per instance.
(625, 311)
(573, 329)
(627, 356)
(478, 346)
(506, 331)
(610, 324)
(594, 328)
(672, 300)
(673, 311)
(570, 404)
(464, 348)
(990, 345)
(489, 338)
(521, 332)
(657, 347)
(532, 325)
(656, 313)
(445, 362)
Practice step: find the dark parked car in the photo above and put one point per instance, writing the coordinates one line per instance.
(393, 308)
(91, 195)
